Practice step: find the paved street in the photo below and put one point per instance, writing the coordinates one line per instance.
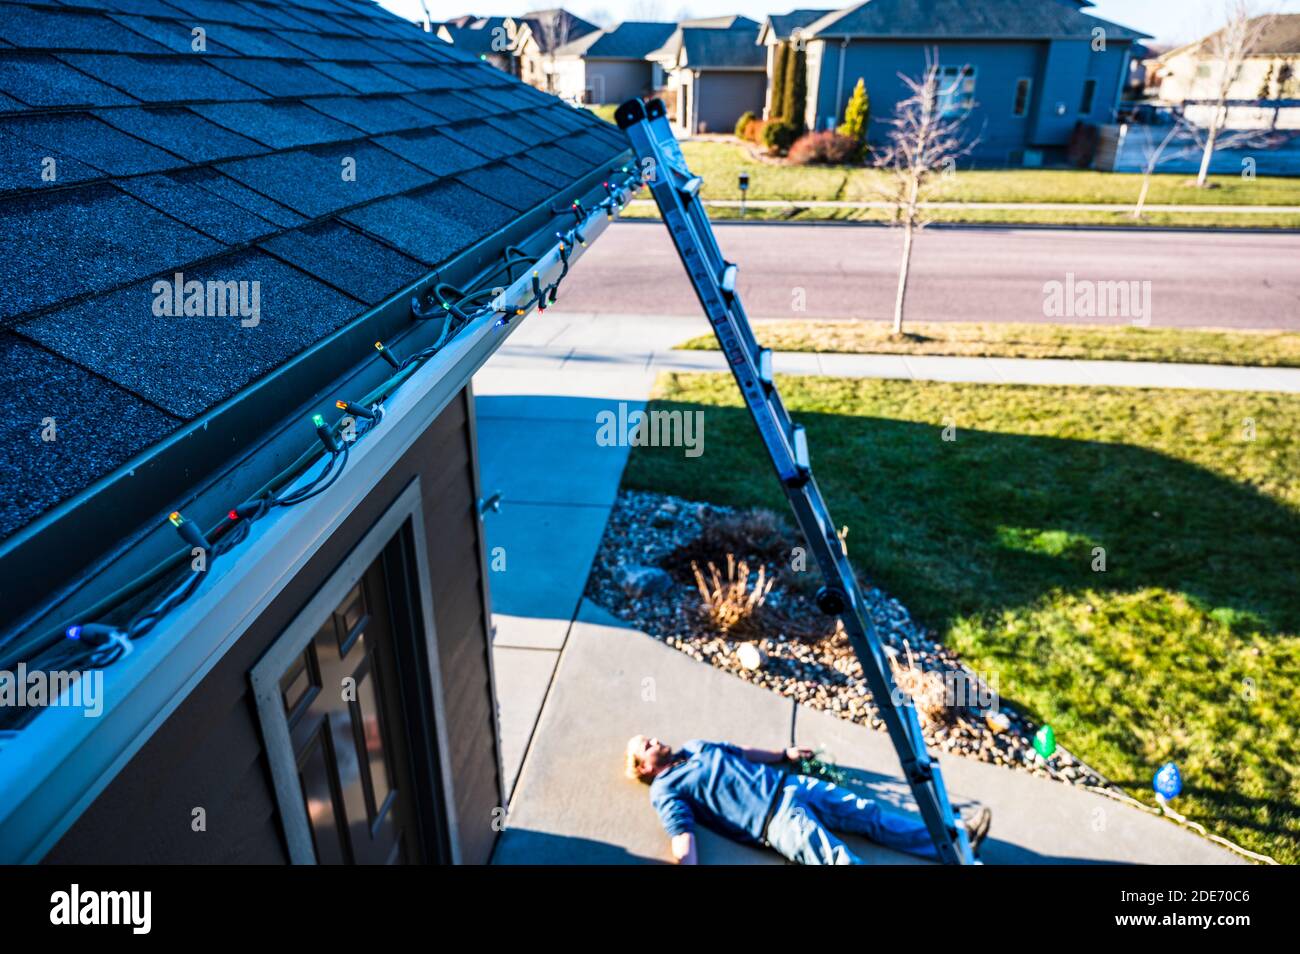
(1198, 279)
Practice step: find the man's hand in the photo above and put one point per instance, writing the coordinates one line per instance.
(684, 848)
(794, 753)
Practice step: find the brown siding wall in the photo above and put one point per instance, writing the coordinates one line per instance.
(209, 752)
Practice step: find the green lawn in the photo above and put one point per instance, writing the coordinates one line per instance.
(605, 111)
(720, 163)
(1184, 648)
(1113, 343)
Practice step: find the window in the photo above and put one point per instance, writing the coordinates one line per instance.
(1089, 94)
(956, 90)
(1021, 104)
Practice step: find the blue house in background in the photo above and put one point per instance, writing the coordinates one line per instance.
(1027, 71)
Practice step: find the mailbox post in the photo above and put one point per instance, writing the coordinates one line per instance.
(744, 187)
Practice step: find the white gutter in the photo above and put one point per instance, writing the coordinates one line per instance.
(53, 769)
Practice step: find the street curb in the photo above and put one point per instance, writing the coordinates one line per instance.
(1000, 226)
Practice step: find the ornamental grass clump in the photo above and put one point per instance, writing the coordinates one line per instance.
(730, 603)
(927, 690)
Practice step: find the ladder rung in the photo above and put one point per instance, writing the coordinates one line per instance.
(729, 279)
(765, 366)
(801, 448)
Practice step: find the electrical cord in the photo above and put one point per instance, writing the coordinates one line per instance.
(160, 591)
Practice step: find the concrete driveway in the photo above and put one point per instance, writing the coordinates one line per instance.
(1198, 279)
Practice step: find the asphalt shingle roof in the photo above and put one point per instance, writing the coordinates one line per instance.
(126, 157)
(963, 18)
(783, 25)
(631, 39)
(717, 42)
(732, 49)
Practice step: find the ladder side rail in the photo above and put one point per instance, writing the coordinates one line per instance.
(739, 356)
(896, 711)
(662, 133)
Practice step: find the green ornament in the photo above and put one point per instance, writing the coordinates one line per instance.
(1045, 741)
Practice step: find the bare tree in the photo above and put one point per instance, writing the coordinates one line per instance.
(923, 145)
(1185, 138)
(552, 33)
(1154, 153)
(646, 10)
(1227, 49)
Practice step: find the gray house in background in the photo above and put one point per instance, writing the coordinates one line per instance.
(488, 38)
(1026, 73)
(714, 71)
(537, 36)
(610, 66)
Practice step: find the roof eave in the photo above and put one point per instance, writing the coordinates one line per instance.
(55, 573)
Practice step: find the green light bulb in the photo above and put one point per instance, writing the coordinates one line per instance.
(1045, 741)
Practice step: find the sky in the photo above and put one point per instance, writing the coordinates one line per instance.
(1169, 21)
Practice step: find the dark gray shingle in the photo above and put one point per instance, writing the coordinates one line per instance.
(186, 363)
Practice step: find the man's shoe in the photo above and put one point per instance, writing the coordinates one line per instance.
(977, 827)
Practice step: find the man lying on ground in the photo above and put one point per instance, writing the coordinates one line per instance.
(740, 793)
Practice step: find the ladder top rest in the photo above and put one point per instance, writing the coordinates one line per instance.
(635, 110)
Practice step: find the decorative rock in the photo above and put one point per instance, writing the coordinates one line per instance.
(641, 581)
(750, 656)
(665, 516)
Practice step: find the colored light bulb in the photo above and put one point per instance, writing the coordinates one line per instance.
(1168, 781)
(1045, 741)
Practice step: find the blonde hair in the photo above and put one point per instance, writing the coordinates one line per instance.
(633, 767)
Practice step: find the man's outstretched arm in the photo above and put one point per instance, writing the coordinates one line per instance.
(684, 848)
(794, 753)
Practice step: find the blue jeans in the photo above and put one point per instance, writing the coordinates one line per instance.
(808, 808)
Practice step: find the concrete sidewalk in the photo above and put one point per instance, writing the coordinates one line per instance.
(578, 343)
(574, 806)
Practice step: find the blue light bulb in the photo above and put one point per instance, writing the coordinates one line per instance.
(1168, 781)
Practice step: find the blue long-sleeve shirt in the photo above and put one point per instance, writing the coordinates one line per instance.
(717, 784)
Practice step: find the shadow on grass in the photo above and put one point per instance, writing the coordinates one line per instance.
(995, 521)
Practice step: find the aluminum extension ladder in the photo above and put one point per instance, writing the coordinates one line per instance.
(676, 191)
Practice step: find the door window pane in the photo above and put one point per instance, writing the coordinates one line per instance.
(372, 742)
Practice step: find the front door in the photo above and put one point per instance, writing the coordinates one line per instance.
(349, 699)
(343, 705)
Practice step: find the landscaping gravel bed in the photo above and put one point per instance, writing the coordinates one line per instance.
(642, 575)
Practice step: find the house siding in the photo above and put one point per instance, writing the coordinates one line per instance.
(614, 81)
(722, 96)
(209, 753)
(1058, 70)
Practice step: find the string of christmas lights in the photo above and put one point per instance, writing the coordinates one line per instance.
(95, 644)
